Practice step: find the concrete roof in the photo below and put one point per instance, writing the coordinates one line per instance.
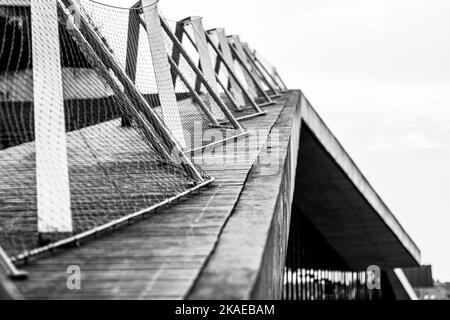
(333, 193)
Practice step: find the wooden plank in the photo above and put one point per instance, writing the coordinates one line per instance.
(52, 173)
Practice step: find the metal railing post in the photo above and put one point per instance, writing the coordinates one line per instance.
(231, 72)
(258, 70)
(52, 170)
(164, 82)
(236, 48)
(164, 133)
(132, 51)
(263, 67)
(8, 273)
(199, 74)
(194, 94)
(201, 46)
(227, 55)
(216, 69)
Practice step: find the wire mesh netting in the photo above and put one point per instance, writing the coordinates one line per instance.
(241, 106)
(256, 69)
(244, 68)
(202, 120)
(269, 70)
(115, 167)
(192, 80)
(226, 81)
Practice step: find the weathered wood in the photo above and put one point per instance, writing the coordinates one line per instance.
(161, 256)
(234, 267)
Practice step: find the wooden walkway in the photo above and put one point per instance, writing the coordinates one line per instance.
(113, 173)
(162, 256)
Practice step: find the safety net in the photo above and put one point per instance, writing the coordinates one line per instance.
(90, 149)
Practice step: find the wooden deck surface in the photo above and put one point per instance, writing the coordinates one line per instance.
(162, 256)
(112, 171)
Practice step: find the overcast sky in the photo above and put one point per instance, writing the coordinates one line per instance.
(378, 73)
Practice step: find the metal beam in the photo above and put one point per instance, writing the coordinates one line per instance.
(216, 70)
(263, 67)
(179, 32)
(230, 70)
(52, 172)
(199, 74)
(258, 69)
(248, 79)
(8, 273)
(227, 55)
(132, 51)
(201, 45)
(136, 103)
(193, 93)
(164, 80)
(239, 54)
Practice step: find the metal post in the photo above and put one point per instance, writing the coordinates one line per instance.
(227, 55)
(258, 70)
(52, 172)
(248, 63)
(217, 70)
(263, 67)
(9, 269)
(238, 51)
(138, 100)
(164, 81)
(199, 74)
(179, 32)
(177, 47)
(250, 84)
(205, 62)
(202, 49)
(8, 272)
(231, 72)
(193, 93)
(228, 94)
(132, 51)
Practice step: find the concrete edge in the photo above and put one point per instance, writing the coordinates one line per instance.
(341, 157)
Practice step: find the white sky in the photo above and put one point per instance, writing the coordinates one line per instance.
(378, 73)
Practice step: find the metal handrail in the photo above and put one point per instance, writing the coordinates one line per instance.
(9, 268)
